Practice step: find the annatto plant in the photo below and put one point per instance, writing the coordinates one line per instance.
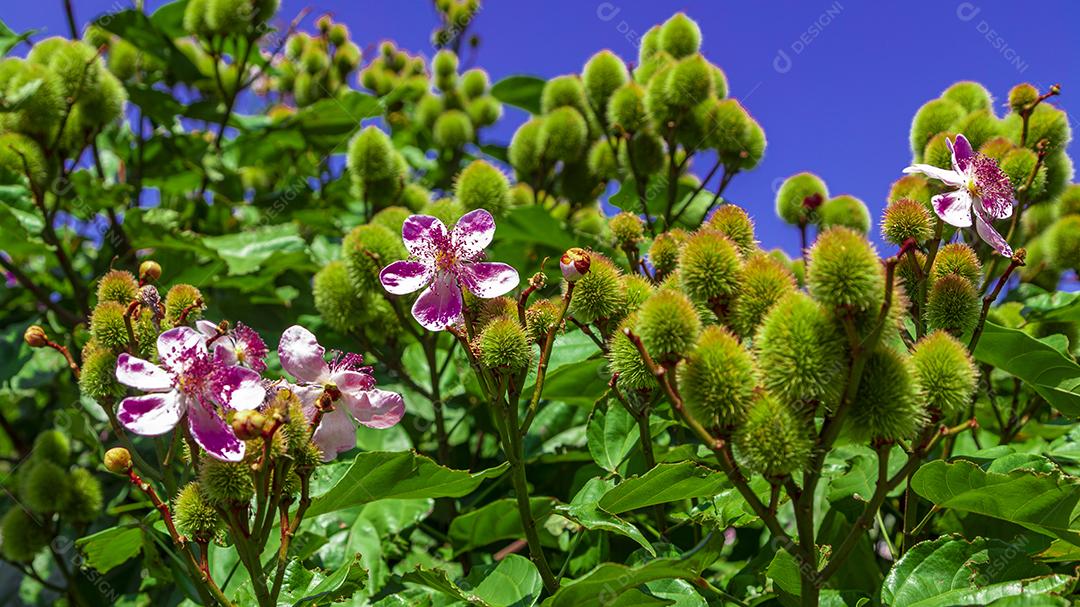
(335, 344)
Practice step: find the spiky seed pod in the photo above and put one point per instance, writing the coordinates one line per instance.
(336, 299)
(44, 488)
(603, 74)
(937, 152)
(1059, 172)
(194, 515)
(392, 218)
(84, 497)
(444, 63)
(717, 379)
(371, 155)
(602, 161)
(446, 210)
(1022, 95)
(504, 345)
(953, 305)
(118, 286)
(972, 96)
(474, 83)
(52, 446)
(21, 155)
(1063, 246)
(908, 273)
(627, 229)
(495, 308)
(668, 324)
(565, 134)
(664, 252)
(845, 210)
(415, 197)
(935, 116)
(563, 91)
(765, 281)
(1068, 202)
(482, 186)
(914, 187)
(710, 268)
(844, 270)
(527, 146)
(887, 404)
(39, 113)
(97, 379)
(997, 148)
(957, 258)
(484, 111)
(680, 36)
(226, 484)
(638, 289)
(904, 219)
(23, 536)
(626, 108)
(799, 197)
(108, 327)
(644, 153)
(1046, 122)
(180, 300)
(979, 127)
(625, 359)
(453, 129)
(598, 294)
(1019, 164)
(540, 318)
(690, 82)
(800, 353)
(1037, 219)
(946, 374)
(735, 223)
(366, 250)
(773, 441)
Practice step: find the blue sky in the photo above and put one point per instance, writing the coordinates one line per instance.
(833, 82)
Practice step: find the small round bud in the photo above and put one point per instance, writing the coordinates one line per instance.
(953, 305)
(957, 258)
(527, 146)
(717, 379)
(366, 250)
(914, 187)
(626, 108)
(664, 252)
(482, 186)
(574, 263)
(710, 268)
(194, 515)
(180, 300)
(97, 378)
(565, 133)
(84, 500)
(119, 286)
(149, 271)
(971, 96)
(887, 403)
(248, 424)
(765, 281)
(773, 441)
(844, 271)
(847, 211)
(680, 36)
(108, 327)
(598, 293)
(504, 345)
(946, 374)
(371, 155)
(800, 353)
(226, 484)
(44, 488)
(933, 117)
(668, 325)
(53, 446)
(484, 111)
(603, 74)
(453, 129)
(118, 460)
(627, 229)
(735, 223)
(35, 337)
(906, 219)
(563, 91)
(1021, 96)
(23, 536)
(799, 197)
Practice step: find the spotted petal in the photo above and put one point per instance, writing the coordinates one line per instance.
(961, 153)
(473, 233)
(404, 277)
(142, 375)
(990, 235)
(376, 408)
(238, 388)
(440, 305)
(336, 433)
(946, 176)
(214, 435)
(151, 414)
(302, 356)
(420, 234)
(488, 279)
(954, 208)
(180, 348)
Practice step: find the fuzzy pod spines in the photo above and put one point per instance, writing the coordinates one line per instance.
(97, 378)
(957, 258)
(1059, 172)
(563, 91)
(336, 299)
(800, 353)
(717, 379)
(979, 127)
(799, 197)
(1019, 164)
(937, 152)
(625, 359)
(1068, 202)
(602, 160)
(371, 155)
(226, 484)
(484, 111)
(906, 219)
(843, 270)
(482, 186)
(194, 515)
(689, 82)
(1063, 244)
(765, 281)
(565, 134)
(710, 268)
(952, 305)
(914, 187)
(602, 75)
(933, 117)
(947, 376)
(23, 536)
(735, 223)
(368, 248)
(118, 286)
(845, 210)
(474, 83)
(446, 210)
(183, 301)
(108, 327)
(453, 129)
(503, 344)
(540, 318)
(22, 156)
(637, 289)
(627, 228)
(44, 487)
(52, 446)
(392, 218)
(970, 95)
(680, 36)
(626, 108)
(643, 154)
(668, 324)
(773, 441)
(85, 498)
(598, 294)
(1045, 122)
(664, 252)
(527, 146)
(1021, 96)
(887, 404)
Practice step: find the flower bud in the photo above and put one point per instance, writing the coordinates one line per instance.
(800, 353)
(181, 299)
(914, 187)
(972, 96)
(844, 271)
(504, 345)
(563, 91)
(847, 211)
(1021, 96)
(84, 500)
(574, 263)
(565, 134)
(627, 229)
(248, 424)
(35, 337)
(664, 251)
(668, 325)
(680, 36)
(603, 74)
(710, 268)
(887, 404)
(149, 271)
(482, 186)
(194, 515)
(626, 108)
(717, 379)
(108, 327)
(53, 446)
(953, 305)
(946, 374)
(765, 281)
(957, 258)
(23, 536)
(732, 221)
(453, 129)
(933, 117)
(118, 460)
(906, 219)
(799, 197)
(773, 441)
(226, 484)
(527, 146)
(119, 286)
(97, 378)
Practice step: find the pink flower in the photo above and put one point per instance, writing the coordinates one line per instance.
(303, 358)
(187, 382)
(980, 186)
(444, 263)
(240, 346)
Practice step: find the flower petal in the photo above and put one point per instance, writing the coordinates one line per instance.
(404, 277)
(151, 414)
(353, 381)
(376, 408)
(180, 348)
(302, 356)
(945, 175)
(488, 279)
(238, 388)
(961, 153)
(954, 208)
(420, 233)
(206, 327)
(214, 435)
(990, 235)
(473, 233)
(336, 433)
(142, 375)
(440, 305)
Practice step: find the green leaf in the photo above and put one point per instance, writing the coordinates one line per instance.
(1045, 503)
(612, 435)
(664, 483)
(110, 548)
(534, 225)
(520, 91)
(244, 252)
(303, 587)
(1054, 376)
(1058, 306)
(514, 582)
(377, 475)
(9, 39)
(496, 521)
(953, 571)
(336, 115)
(585, 510)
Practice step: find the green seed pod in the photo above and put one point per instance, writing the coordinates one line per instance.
(22, 156)
(598, 294)
(504, 345)
(1063, 245)
(946, 374)
(227, 16)
(347, 57)
(799, 197)
(625, 359)
(765, 281)
(194, 515)
(650, 44)
(644, 152)
(668, 325)
(887, 402)
(914, 187)
(226, 484)
(338, 34)
(732, 221)
(800, 353)
(118, 286)
(415, 197)
(1038, 218)
(52, 446)
(336, 299)
(45, 487)
(540, 318)
(773, 441)
(372, 156)
(1046, 122)
(953, 305)
(1059, 172)
(103, 104)
(23, 537)
(74, 63)
(180, 300)
(843, 270)
(957, 258)
(710, 268)
(108, 327)
(627, 229)
(482, 186)
(933, 117)
(690, 82)
(909, 273)
(979, 127)
(488, 310)
(315, 60)
(1068, 202)
(565, 133)
(563, 91)
(527, 146)
(453, 129)
(521, 195)
(997, 148)
(445, 63)
(124, 59)
(751, 145)
(661, 108)
(626, 108)
(1019, 164)
(717, 379)
(638, 289)
(85, 499)
(97, 379)
(937, 152)
(971, 96)
(680, 36)
(392, 218)
(446, 210)
(1021, 96)
(603, 74)
(474, 83)
(484, 111)
(664, 252)
(40, 113)
(845, 210)
(720, 82)
(1037, 270)
(904, 219)
(367, 249)
(601, 160)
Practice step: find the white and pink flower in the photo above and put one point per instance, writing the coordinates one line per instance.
(240, 345)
